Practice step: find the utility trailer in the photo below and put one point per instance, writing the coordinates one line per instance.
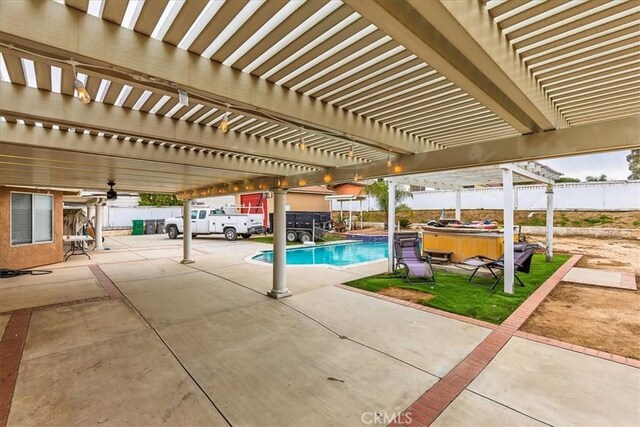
(304, 226)
(229, 220)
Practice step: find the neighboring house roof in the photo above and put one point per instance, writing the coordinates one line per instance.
(312, 189)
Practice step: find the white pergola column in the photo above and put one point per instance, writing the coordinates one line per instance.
(98, 226)
(549, 250)
(186, 233)
(279, 288)
(507, 190)
(392, 222)
(91, 213)
(458, 204)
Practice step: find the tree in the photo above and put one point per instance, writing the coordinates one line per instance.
(151, 199)
(592, 178)
(634, 163)
(379, 190)
(567, 179)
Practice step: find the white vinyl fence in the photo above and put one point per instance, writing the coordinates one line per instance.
(607, 196)
(121, 216)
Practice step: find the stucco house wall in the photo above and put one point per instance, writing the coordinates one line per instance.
(29, 255)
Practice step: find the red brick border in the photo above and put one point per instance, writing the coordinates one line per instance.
(421, 307)
(579, 349)
(11, 346)
(434, 401)
(106, 283)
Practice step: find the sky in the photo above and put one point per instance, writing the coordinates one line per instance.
(613, 164)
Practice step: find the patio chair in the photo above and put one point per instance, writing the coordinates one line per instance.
(522, 255)
(407, 255)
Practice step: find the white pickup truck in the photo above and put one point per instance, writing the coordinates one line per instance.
(229, 220)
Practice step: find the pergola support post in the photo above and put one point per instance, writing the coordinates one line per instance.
(458, 204)
(279, 288)
(507, 190)
(549, 231)
(391, 222)
(99, 226)
(186, 235)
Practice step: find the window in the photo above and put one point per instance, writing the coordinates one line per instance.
(203, 215)
(31, 218)
(194, 214)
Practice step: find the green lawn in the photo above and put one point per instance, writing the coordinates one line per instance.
(455, 294)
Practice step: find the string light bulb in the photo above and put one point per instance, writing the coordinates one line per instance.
(83, 95)
(224, 124)
(327, 178)
(350, 153)
(356, 177)
(301, 144)
(389, 161)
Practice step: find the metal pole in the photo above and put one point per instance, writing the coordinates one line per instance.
(279, 288)
(98, 229)
(458, 204)
(186, 235)
(549, 250)
(507, 190)
(391, 220)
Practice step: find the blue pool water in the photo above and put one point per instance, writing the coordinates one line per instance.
(339, 254)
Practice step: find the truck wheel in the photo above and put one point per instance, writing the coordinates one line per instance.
(230, 234)
(172, 232)
(291, 236)
(305, 237)
(246, 235)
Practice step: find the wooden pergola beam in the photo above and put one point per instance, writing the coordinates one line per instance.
(598, 137)
(64, 32)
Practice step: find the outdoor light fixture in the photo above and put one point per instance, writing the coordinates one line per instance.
(356, 177)
(389, 161)
(350, 153)
(111, 194)
(301, 145)
(224, 124)
(83, 95)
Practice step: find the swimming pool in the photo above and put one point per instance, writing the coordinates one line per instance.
(340, 254)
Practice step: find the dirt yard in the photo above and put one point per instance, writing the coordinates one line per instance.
(604, 319)
(406, 294)
(599, 318)
(598, 219)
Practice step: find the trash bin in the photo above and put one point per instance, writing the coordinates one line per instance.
(138, 227)
(149, 227)
(159, 226)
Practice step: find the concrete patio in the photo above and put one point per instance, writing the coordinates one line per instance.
(200, 344)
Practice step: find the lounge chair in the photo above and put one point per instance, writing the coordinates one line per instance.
(407, 255)
(522, 255)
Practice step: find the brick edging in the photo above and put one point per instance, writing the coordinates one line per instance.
(11, 346)
(109, 287)
(435, 400)
(421, 307)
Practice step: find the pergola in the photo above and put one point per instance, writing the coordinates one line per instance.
(202, 98)
(507, 175)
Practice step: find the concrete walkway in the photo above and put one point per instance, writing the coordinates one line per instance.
(200, 344)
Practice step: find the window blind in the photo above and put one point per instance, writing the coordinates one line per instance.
(21, 219)
(43, 215)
